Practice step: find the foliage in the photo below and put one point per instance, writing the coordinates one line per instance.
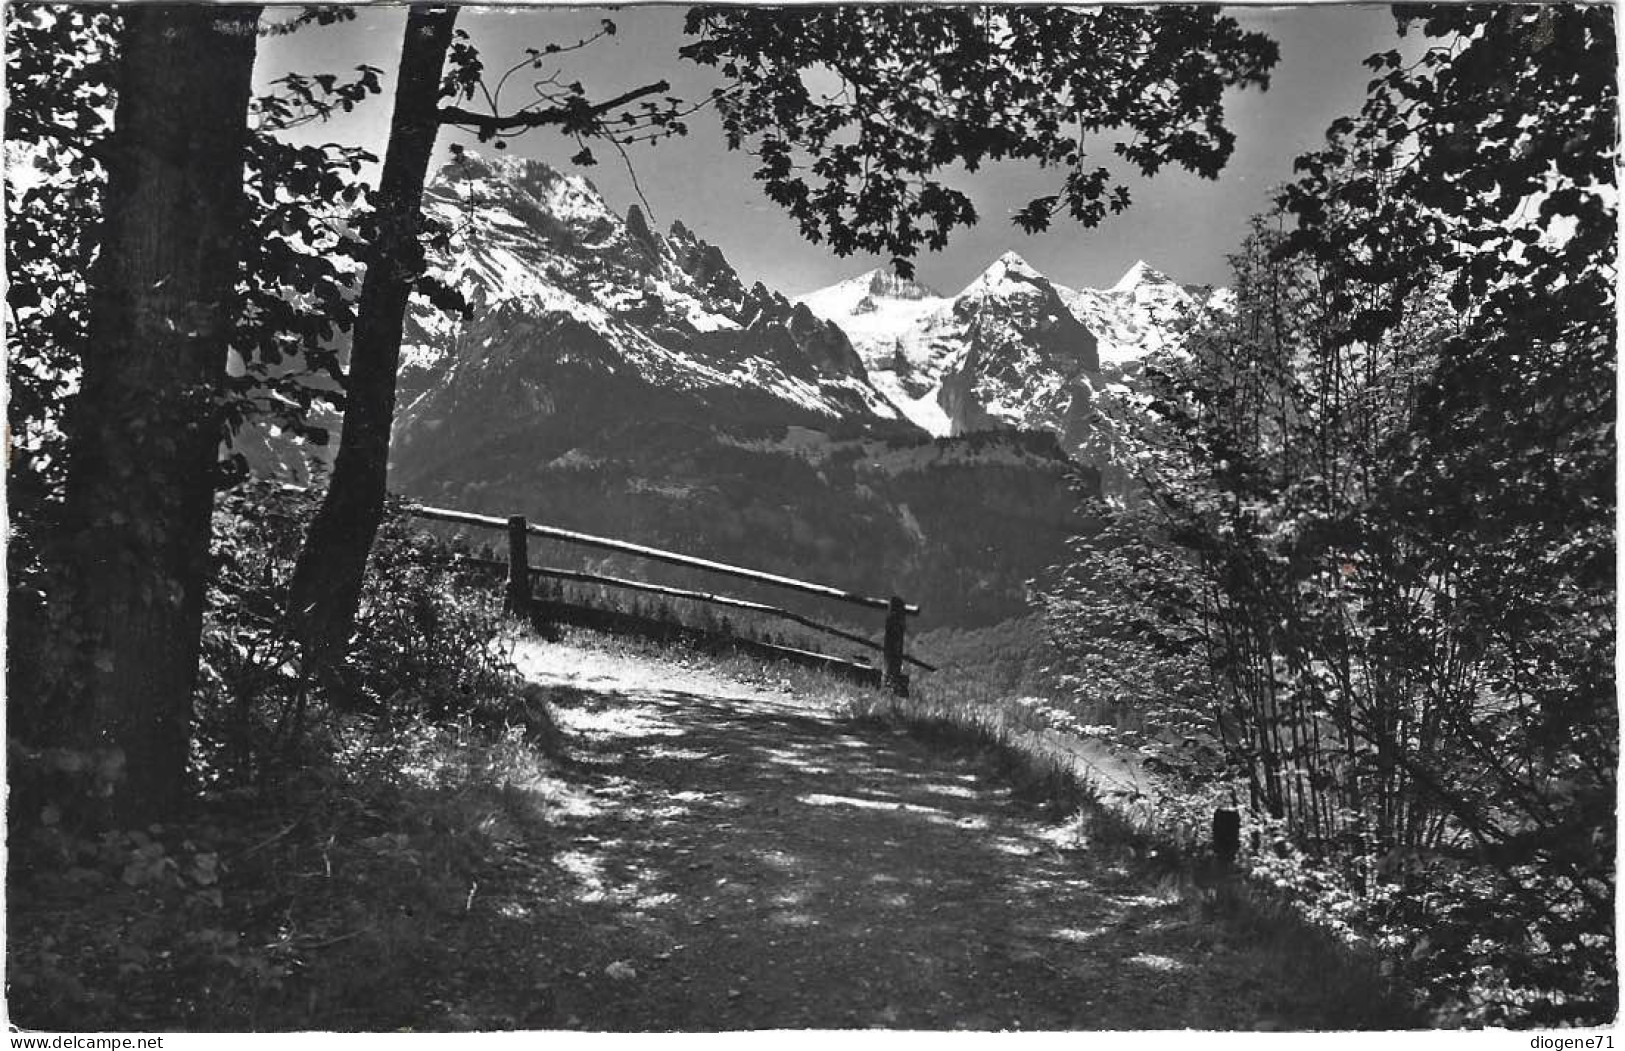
(297, 291)
(554, 101)
(1489, 160)
(438, 67)
(248, 682)
(1008, 659)
(1161, 846)
(189, 924)
(133, 535)
(59, 106)
(1127, 662)
(1384, 502)
(426, 643)
(59, 113)
(850, 137)
(336, 899)
(107, 930)
(307, 217)
(292, 307)
(425, 635)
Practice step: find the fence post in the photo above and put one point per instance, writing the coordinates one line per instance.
(891, 676)
(1226, 834)
(518, 603)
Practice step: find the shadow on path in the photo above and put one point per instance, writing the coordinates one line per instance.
(726, 857)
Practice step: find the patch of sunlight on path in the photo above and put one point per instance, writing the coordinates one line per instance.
(752, 860)
(574, 667)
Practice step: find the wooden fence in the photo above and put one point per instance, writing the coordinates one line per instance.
(520, 601)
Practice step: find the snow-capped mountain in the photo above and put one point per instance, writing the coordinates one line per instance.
(585, 323)
(562, 291)
(1144, 313)
(614, 379)
(1025, 359)
(1001, 338)
(987, 357)
(1015, 350)
(900, 330)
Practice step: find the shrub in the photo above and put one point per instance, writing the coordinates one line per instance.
(426, 641)
(187, 925)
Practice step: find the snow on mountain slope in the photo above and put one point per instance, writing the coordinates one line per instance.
(1026, 358)
(533, 241)
(529, 246)
(1145, 312)
(624, 381)
(873, 308)
(902, 327)
(1015, 350)
(1141, 273)
(585, 322)
(586, 330)
(1005, 276)
(989, 356)
(903, 331)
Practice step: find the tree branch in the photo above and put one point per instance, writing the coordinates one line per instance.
(492, 124)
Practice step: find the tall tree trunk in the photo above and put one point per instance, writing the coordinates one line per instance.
(145, 431)
(326, 586)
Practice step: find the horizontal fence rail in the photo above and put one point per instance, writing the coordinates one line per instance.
(658, 555)
(519, 573)
(583, 577)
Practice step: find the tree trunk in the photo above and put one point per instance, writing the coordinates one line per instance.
(326, 586)
(144, 429)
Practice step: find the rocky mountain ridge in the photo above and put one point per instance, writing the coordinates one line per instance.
(532, 247)
(1013, 348)
(614, 379)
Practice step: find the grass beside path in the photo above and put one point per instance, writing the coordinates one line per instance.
(1066, 777)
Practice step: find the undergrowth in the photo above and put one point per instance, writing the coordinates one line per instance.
(336, 824)
(340, 900)
(1440, 922)
(1163, 844)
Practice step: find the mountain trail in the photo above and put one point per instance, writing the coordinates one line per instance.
(720, 855)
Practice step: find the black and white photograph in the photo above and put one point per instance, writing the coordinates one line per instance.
(873, 520)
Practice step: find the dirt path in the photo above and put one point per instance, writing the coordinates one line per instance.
(725, 856)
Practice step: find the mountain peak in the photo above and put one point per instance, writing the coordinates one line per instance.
(525, 186)
(637, 227)
(1141, 273)
(1011, 260)
(883, 282)
(526, 173)
(1007, 270)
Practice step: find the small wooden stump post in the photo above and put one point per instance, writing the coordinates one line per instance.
(891, 675)
(1226, 834)
(518, 596)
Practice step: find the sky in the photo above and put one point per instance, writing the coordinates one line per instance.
(1183, 225)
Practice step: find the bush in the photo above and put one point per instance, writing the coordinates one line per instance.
(188, 925)
(427, 635)
(426, 641)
